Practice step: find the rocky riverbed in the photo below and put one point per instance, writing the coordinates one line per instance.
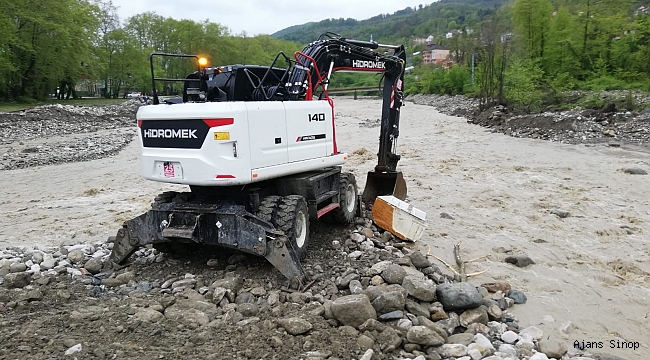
(579, 126)
(370, 296)
(53, 134)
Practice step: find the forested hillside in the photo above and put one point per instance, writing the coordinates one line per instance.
(420, 21)
(64, 43)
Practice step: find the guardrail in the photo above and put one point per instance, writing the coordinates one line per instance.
(355, 90)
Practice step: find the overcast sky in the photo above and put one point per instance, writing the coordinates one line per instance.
(262, 16)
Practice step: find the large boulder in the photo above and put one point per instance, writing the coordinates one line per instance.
(394, 274)
(421, 289)
(353, 310)
(16, 280)
(389, 301)
(458, 296)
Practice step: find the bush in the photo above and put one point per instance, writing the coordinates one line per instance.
(523, 84)
(454, 81)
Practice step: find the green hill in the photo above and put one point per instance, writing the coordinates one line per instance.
(434, 19)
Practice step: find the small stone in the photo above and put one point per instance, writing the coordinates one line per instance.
(474, 316)
(248, 309)
(394, 274)
(389, 340)
(538, 356)
(258, 291)
(344, 282)
(494, 312)
(125, 277)
(295, 326)
(458, 296)
(376, 280)
(552, 348)
(73, 349)
(17, 267)
(356, 287)
(462, 338)
(559, 213)
(76, 256)
(518, 296)
(367, 355)
(422, 335)
(453, 350)
(148, 315)
(393, 315)
(438, 313)
(48, 264)
(421, 289)
(483, 344)
(353, 310)
(417, 309)
(509, 337)
(519, 260)
(531, 333)
(524, 348)
(94, 266)
(365, 342)
(635, 171)
(355, 254)
(389, 301)
(494, 287)
(418, 260)
(212, 263)
(444, 215)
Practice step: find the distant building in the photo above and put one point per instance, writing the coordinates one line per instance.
(451, 34)
(435, 54)
(430, 39)
(419, 40)
(506, 37)
(641, 10)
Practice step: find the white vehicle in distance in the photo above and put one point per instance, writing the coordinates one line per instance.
(132, 95)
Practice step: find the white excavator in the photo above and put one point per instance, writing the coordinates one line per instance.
(257, 147)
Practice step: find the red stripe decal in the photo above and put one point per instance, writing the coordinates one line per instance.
(298, 139)
(139, 123)
(224, 177)
(219, 122)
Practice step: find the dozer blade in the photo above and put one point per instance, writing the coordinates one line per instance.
(384, 183)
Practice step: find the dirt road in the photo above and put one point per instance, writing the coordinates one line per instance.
(592, 268)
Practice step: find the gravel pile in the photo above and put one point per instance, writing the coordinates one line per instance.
(53, 134)
(578, 126)
(371, 297)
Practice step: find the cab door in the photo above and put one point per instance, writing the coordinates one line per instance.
(268, 133)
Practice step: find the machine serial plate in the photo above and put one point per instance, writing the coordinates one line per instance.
(169, 169)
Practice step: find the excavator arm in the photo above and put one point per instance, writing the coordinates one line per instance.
(314, 68)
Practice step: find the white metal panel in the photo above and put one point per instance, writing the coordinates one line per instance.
(215, 162)
(268, 133)
(307, 123)
(272, 172)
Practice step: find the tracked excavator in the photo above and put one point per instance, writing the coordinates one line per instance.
(257, 147)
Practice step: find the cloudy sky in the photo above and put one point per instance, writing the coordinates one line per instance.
(262, 16)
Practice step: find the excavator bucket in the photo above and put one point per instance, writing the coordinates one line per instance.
(384, 183)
